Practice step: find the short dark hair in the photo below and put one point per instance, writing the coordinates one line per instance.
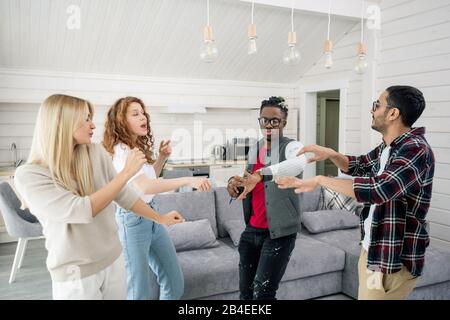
(408, 100)
(277, 102)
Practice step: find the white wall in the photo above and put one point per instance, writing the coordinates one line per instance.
(344, 59)
(412, 48)
(228, 105)
(415, 50)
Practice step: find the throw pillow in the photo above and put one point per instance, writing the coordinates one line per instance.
(310, 201)
(333, 200)
(329, 220)
(191, 235)
(234, 227)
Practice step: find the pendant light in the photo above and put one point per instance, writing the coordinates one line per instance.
(328, 43)
(208, 50)
(361, 61)
(291, 55)
(251, 32)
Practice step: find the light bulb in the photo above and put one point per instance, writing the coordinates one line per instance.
(252, 49)
(361, 64)
(209, 51)
(291, 56)
(328, 60)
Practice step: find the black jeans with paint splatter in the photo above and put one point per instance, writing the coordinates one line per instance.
(262, 263)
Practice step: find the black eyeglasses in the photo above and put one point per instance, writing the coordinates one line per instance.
(376, 105)
(274, 122)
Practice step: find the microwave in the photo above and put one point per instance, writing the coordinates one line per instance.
(237, 148)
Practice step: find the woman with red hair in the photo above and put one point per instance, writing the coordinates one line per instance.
(145, 243)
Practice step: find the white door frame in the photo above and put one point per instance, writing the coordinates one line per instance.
(323, 119)
(308, 114)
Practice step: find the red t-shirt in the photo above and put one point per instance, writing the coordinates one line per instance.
(259, 216)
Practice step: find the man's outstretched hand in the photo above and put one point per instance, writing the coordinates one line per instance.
(320, 153)
(305, 185)
(249, 183)
(233, 184)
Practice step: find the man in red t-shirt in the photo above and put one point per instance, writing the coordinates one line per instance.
(271, 214)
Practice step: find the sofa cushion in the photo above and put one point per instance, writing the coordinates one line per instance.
(215, 271)
(191, 205)
(436, 270)
(226, 210)
(348, 241)
(437, 266)
(312, 257)
(191, 235)
(328, 220)
(310, 201)
(235, 228)
(209, 272)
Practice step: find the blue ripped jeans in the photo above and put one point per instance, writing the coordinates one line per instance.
(151, 262)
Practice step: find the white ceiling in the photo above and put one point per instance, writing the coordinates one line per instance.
(159, 38)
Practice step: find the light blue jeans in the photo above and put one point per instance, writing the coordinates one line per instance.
(150, 258)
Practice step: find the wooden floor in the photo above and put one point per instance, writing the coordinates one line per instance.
(33, 280)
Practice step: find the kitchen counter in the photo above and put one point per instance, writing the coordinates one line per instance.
(206, 163)
(7, 171)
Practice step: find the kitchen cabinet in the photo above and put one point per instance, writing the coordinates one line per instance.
(220, 173)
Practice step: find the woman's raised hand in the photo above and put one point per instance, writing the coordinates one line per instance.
(135, 160)
(201, 184)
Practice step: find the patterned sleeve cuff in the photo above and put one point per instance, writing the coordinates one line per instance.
(362, 188)
(352, 165)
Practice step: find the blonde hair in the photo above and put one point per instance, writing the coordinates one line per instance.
(54, 147)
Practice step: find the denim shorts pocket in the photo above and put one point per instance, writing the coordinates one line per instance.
(132, 219)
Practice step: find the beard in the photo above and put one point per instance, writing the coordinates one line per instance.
(374, 127)
(378, 127)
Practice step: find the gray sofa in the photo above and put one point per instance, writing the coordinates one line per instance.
(322, 263)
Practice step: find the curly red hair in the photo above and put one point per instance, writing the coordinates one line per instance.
(116, 129)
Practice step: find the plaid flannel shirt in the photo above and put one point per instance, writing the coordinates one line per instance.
(402, 195)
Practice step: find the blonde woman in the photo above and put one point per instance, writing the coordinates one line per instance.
(70, 184)
(145, 244)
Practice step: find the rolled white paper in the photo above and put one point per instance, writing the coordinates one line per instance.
(293, 165)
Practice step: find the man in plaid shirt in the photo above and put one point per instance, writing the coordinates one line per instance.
(394, 181)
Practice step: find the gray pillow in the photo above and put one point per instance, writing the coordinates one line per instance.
(234, 227)
(192, 205)
(328, 220)
(226, 210)
(191, 235)
(309, 201)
